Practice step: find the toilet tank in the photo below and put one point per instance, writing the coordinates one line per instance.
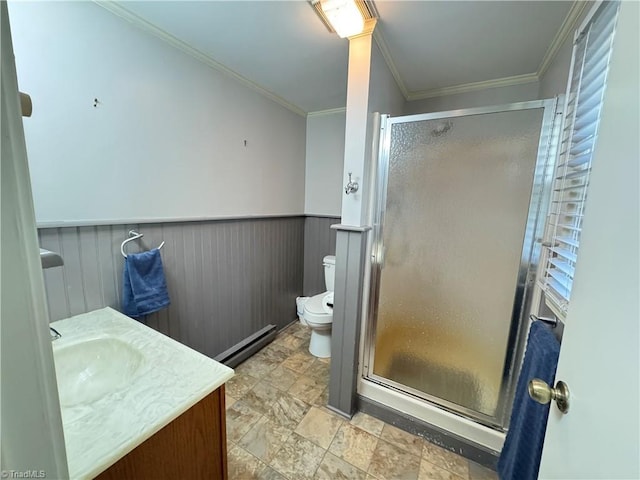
(329, 263)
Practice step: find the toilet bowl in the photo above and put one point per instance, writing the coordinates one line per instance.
(318, 313)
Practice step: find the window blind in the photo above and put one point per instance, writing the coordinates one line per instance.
(585, 91)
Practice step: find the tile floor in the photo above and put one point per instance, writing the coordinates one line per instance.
(278, 427)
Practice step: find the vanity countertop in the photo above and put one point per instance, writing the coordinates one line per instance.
(170, 379)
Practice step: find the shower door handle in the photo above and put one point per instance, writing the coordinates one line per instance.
(541, 392)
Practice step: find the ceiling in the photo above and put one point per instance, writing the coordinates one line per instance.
(432, 47)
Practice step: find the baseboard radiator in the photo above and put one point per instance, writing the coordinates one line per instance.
(247, 347)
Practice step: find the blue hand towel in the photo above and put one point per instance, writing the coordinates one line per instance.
(520, 456)
(144, 289)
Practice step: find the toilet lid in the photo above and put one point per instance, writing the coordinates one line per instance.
(314, 305)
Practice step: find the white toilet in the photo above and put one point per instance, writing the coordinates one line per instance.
(318, 313)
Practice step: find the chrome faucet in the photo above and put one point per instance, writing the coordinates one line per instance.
(55, 334)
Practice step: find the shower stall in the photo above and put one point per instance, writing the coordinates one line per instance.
(459, 206)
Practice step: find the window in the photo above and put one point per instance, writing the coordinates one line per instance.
(585, 91)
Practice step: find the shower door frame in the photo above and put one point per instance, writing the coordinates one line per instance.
(529, 258)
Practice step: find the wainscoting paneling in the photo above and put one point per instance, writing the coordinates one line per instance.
(319, 240)
(347, 316)
(226, 278)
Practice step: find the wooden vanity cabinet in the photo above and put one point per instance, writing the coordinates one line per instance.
(193, 446)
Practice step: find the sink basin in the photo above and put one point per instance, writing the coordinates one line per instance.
(88, 370)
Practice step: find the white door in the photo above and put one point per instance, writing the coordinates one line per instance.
(599, 358)
(31, 437)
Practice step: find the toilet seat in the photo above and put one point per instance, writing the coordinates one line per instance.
(316, 309)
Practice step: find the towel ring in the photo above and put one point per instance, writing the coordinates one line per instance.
(134, 236)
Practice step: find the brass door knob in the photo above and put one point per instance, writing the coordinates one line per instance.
(542, 393)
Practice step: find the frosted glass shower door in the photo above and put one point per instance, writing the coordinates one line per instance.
(452, 226)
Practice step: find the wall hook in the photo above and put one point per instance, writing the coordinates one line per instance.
(96, 102)
(351, 187)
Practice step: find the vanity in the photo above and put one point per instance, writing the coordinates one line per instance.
(137, 404)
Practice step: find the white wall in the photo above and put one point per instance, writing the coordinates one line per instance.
(480, 98)
(324, 164)
(384, 94)
(384, 98)
(166, 141)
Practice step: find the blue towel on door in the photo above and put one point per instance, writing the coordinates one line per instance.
(144, 289)
(520, 456)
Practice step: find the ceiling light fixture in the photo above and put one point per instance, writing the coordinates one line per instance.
(344, 16)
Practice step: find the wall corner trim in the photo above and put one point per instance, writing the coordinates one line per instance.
(568, 25)
(350, 228)
(386, 54)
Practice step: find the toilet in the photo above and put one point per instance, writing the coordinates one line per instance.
(318, 313)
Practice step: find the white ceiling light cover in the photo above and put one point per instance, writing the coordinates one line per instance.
(344, 16)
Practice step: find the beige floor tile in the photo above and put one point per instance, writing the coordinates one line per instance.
(276, 354)
(334, 468)
(270, 474)
(354, 445)
(298, 458)
(478, 472)
(300, 331)
(325, 360)
(242, 465)
(393, 463)
(445, 459)
(229, 400)
(256, 367)
(282, 378)
(289, 341)
(404, 440)
(304, 349)
(368, 423)
(298, 362)
(288, 411)
(307, 389)
(322, 399)
(262, 396)
(264, 439)
(240, 419)
(319, 370)
(294, 327)
(239, 385)
(278, 427)
(429, 471)
(319, 427)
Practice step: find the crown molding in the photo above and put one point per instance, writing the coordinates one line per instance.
(568, 26)
(386, 54)
(152, 29)
(475, 86)
(330, 111)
